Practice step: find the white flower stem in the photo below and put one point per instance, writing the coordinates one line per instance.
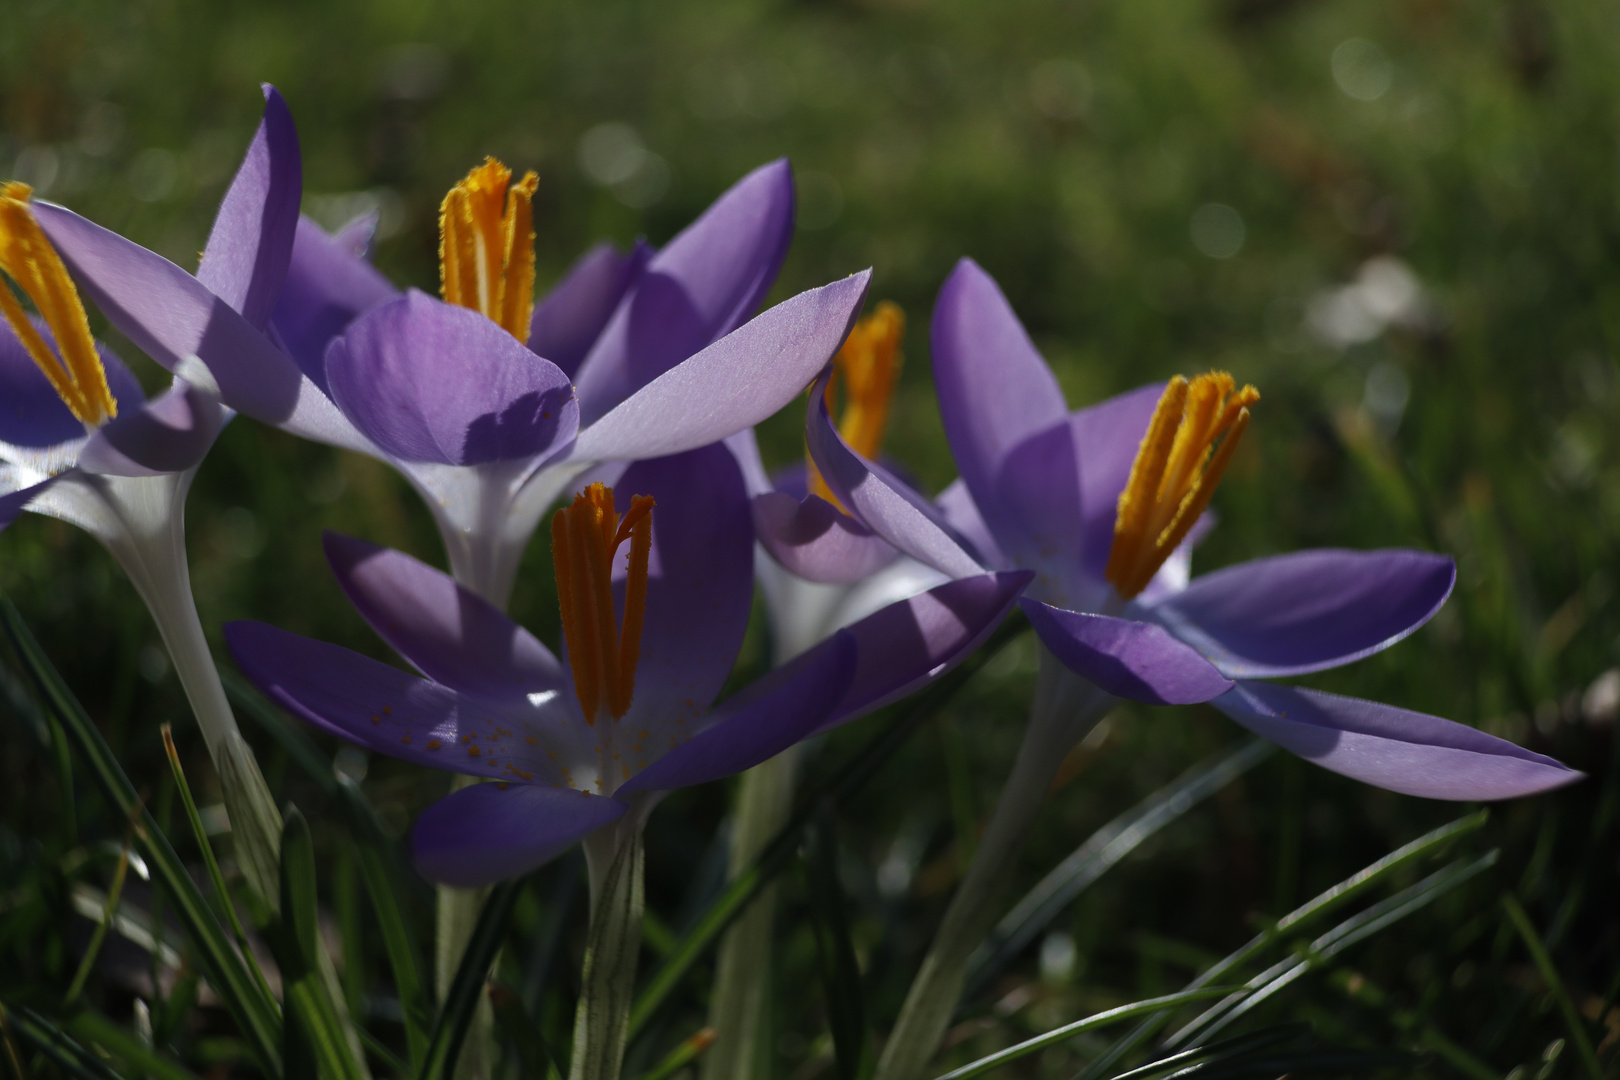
(614, 858)
(1065, 708)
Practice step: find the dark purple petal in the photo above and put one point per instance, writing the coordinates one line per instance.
(169, 434)
(760, 722)
(707, 282)
(734, 383)
(815, 540)
(1038, 517)
(451, 635)
(328, 286)
(31, 413)
(913, 642)
(430, 381)
(1409, 752)
(1129, 659)
(1106, 438)
(1307, 610)
(994, 389)
(879, 501)
(13, 503)
(382, 708)
(247, 253)
(568, 320)
(485, 833)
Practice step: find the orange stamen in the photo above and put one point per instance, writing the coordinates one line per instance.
(486, 245)
(866, 372)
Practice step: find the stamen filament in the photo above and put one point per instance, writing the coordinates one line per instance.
(486, 245)
(866, 372)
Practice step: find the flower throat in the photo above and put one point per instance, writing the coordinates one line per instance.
(865, 373)
(486, 246)
(584, 539)
(1177, 468)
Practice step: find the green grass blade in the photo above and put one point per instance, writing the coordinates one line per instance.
(109, 909)
(94, 1028)
(1262, 1039)
(55, 1044)
(468, 985)
(840, 972)
(683, 1055)
(257, 1015)
(1549, 974)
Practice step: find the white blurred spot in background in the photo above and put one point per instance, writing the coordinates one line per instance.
(1058, 956)
(613, 155)
(1362, 70)
(1385, 293)
(152, 175)
(333, 212)
(415, 72)
(1061, 89)
(1217, 230)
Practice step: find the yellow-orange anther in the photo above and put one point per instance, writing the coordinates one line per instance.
(486, 245)
(1177, 468)
(584, 538)
(73, 367)
(865, 373)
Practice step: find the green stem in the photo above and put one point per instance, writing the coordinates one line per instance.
(614, 858)
(457, 918)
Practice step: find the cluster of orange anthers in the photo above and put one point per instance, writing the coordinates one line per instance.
(1176, 471)
(486, 246)
(27, 257)
(584, 539)
(865, 374)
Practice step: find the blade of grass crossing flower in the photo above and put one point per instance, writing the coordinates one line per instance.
(1080, 1027)
(780, 852)
(468, 986)
(141, 1059)
(840, 972)
(684, 1054)
(1549, 974)
(1100, 852)
(257, 1015)
(297, 943)
(63, 1050)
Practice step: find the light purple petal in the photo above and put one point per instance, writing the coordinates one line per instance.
(759, 723)
(451, 635)
(169, 434)
(568, 320)
(1038, 518)
(813, 539)
(734, 383)
(251, 242)
(914, 641)
(485, 833)
(1307, 610)
(708, 281)
(1129, 659)
(994, 389)
(328, 286)
(961, 513)
(359, 235)
(1409, 752)
(31, 413)
(879, 501)
(430, 381)
(1106, 438)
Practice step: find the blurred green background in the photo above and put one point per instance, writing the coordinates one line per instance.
(1397, 218)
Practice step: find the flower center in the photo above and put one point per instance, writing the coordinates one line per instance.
(1176, 471)
(584, 538)
(486, 246)
(865, 373)
(73, 367)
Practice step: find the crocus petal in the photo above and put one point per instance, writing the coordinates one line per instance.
(385, 709)
(915, 641)
(1038, 516)
(734, 383)
(15, 502)
(430, 381)
(450, 634)
(1307, 610)
(488, 832)
(569, 319)
(961, 513)
(1129, 659)
(171, 433)
(1409, 752)
(1106, 438)
(994, 389)
(704, 284)
(31, 412)
(251, 242)
(359, 235)
(879, 501)
(328, 286)
(759, 723)
(813, 539)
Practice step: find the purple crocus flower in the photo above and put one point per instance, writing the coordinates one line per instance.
(579, 744)
(452, 394)
(1041, 489)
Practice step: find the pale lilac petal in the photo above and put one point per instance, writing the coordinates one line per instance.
(961, 513)
(1409, 752)
(359, 235)
(448, 633)
(568, 320)
(708, 281)
(879, 501)
(813, 539)
(169, 434)
(734, 383)
(1038, 517)
(251, 242)
(759, 723)
(1129, 659)
(914, 641)
(328, 286)
(31, 413)
(1106, 438)
(1307, 610)
(994, 389)
(430, 381)
(488, 832)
